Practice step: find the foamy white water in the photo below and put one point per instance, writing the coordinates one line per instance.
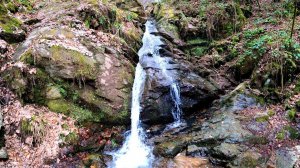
(134, 152)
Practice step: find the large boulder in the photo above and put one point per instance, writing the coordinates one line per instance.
(85, 73)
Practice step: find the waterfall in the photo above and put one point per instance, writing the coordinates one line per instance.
(135, 153)
(153, 45)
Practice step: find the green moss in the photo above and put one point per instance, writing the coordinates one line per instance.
(271, 112)
(163, 11)
(3, 10)
(25, 3)
(13, 8)
(28, 58)
(85, 66)
(79, 114)
(15, 80)
(93, 160)
(92, 2)
(26, 127)
(60, 106)
(9, 24)
(293, 132)
(40, 80)
(170, 29)
(280, 135)
(262, 118)
(248, 162)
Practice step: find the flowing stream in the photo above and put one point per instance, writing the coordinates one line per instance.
(135, 153)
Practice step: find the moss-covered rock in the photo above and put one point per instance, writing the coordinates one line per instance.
(10, 29)
(68, 108)
(171, 147)
(53, 93)
(75, 77)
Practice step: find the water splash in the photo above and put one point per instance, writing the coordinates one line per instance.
(134, 153)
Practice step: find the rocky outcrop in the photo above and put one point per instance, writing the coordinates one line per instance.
(77, 64)
(223, 138)
(195, 91)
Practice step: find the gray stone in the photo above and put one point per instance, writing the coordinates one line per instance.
(3, 47)
(53, 93)
(228, 129)
(227, 151)
(193, 150)
(3, 153)
(287, 157)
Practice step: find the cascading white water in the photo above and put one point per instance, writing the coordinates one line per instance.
(134, 152)
(175, 94)
(162, 63)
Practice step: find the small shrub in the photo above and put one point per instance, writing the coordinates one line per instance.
(292, 114)
(34, 127)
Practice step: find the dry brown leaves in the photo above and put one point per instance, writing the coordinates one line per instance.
(25, 154)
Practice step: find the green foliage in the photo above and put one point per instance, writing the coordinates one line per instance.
(87, 23)
(293, 132)
(280, 135)
(198, 51)
(102, 20)
(70, 139)
(271, 112)
(3, 10)
(62, 91)
(291, 114)
(27, 58)
(34, 127)
(12, 7)
(259, 45)
(117, 25)
(131, 16)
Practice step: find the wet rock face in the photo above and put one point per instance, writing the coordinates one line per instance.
(157, 103)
